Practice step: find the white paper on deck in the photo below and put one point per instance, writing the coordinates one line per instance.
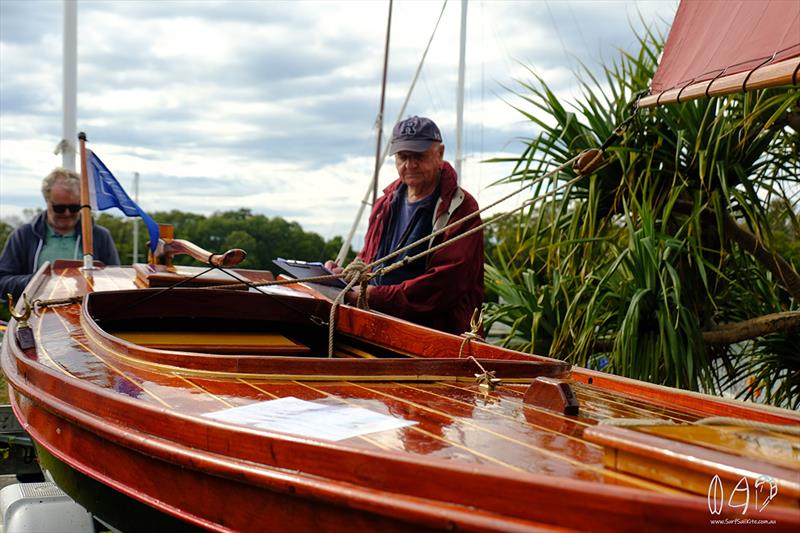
(309, 419)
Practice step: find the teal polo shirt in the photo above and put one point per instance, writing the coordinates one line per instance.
(58, 247)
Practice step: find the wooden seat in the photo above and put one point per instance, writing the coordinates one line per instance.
(215, 342)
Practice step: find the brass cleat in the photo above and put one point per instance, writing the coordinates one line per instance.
(22, 318)
(25, 338)
(487, 380)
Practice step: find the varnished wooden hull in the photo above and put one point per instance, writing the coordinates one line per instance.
(130, 418)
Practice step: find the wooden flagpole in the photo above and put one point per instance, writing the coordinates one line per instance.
(86, 209)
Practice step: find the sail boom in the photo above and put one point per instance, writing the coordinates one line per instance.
(778, 74)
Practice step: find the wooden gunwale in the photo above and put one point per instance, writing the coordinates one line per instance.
(700, 403)
(406, 337)
(120, 420)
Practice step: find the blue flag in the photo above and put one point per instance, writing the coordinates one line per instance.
(106, 192)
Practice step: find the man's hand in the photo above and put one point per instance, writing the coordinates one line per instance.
(351, 297)
(333, 267)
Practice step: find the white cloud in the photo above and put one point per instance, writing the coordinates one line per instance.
(271, 105)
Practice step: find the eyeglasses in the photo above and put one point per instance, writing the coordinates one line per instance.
(404, 158)
(60, 208)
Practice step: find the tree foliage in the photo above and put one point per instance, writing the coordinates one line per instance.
(680, 231)
(263, 238)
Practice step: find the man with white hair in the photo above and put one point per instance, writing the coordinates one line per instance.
(52, 234)
(442, 289)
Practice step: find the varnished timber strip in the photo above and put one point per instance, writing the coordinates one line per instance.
(113, 280)
(355, 351)
(637, 405)
(125, 376)
(473, 451)
(39, 324)
(612, 397)
(259, 389)
(753, 443)
(403, 337)
(41, 346)
(494, 413)
(88, 350)
(603, 408)
(695, 457)
(548, 453)
(702, 403)
(204, 391)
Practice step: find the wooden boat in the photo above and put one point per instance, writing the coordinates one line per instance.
(117, 386)
(161, 404)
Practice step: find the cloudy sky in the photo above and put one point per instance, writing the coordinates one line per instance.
(271, 105)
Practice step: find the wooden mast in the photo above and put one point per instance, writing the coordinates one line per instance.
(86, 209)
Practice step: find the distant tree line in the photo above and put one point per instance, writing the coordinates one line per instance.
(262, 237)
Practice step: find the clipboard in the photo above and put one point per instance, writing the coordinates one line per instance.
(303, 269)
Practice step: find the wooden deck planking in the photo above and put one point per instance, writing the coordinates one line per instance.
(461, 424)
(188, 395)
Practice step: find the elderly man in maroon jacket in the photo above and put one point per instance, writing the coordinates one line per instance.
(442, 289)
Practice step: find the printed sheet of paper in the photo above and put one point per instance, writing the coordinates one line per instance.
(309, 419)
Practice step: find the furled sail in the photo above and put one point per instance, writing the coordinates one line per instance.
(718, 47)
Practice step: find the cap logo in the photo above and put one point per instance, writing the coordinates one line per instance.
(409, 128)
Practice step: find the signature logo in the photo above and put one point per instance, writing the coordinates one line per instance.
(764, 491)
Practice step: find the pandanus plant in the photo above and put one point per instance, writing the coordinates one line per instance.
(662, 263)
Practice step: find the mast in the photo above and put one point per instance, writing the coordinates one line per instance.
(379, 121)
(342, 255)
(70, 89)
(460, 95)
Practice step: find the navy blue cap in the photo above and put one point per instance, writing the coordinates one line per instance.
(414, 134)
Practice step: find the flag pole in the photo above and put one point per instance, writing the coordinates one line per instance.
(86, 209)
(135, 220)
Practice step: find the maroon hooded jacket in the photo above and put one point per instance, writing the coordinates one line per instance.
(446, 294)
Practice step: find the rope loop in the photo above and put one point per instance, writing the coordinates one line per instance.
(357, 270)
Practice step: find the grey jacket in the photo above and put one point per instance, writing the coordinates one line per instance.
(18, 260)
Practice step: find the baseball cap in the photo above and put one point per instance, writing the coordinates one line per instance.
(414, 134)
